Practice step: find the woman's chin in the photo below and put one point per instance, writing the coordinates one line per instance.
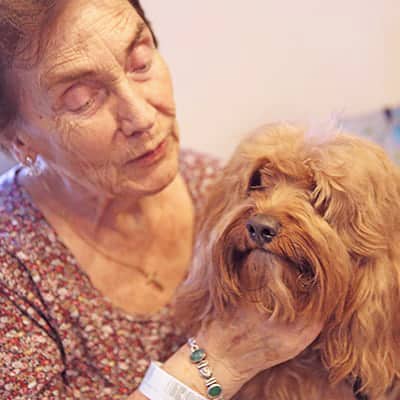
(153, 178)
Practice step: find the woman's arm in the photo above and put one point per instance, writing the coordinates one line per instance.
(30, 361)
(182, 369)
(236, 350)
(239, 348)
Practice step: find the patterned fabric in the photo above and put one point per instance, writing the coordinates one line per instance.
(59, 337)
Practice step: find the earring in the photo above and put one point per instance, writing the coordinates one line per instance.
(31, 163)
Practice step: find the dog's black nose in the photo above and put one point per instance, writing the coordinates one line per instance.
(262, 228)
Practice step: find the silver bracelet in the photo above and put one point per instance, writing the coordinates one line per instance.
(198, 357)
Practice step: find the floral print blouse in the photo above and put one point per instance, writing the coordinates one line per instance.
(60, 338)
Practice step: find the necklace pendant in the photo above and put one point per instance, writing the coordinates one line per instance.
(152, 280)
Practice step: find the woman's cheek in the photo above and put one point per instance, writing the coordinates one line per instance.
(89, 140)
(160, 86)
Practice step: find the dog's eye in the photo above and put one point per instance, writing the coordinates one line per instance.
(255, 182)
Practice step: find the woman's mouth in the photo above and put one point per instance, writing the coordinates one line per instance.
(151, 156)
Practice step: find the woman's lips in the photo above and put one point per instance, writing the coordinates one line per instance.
(152, 156)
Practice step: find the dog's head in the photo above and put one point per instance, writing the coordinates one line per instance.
(310, 227)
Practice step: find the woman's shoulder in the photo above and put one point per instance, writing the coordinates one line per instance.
(24, 232)
(17, 213)
(199, 171)
(17, 228)
(10, 202)
(7, 183)
(27, 347)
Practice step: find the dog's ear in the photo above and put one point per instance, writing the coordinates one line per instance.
(196, 297)
(365, 343)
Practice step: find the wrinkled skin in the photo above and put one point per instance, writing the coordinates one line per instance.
(89, 129)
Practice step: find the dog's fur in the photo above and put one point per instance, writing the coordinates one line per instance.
(335, 258)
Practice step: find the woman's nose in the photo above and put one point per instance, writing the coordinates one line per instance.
(130, 127)
(136, 114)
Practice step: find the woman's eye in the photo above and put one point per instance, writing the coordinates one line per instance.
(255, 182)
(79, 98)
(142, 59)
(141, 69)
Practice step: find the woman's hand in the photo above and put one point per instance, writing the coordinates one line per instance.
(240, 346)
(247, 343)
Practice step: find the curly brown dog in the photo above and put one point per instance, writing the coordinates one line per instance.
(309, 227)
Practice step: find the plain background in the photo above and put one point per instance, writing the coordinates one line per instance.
(238, 64)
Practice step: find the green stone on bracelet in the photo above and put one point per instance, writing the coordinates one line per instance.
(198, 355)
(214, 391)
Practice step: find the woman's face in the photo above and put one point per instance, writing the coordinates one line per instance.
(98, 107)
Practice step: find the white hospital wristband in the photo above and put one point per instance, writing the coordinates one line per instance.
(159, 385)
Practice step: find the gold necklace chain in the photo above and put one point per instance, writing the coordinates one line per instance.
(151, 277)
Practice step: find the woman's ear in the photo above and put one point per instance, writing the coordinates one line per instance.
(19, 147)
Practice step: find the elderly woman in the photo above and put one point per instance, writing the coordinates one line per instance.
(96, 226)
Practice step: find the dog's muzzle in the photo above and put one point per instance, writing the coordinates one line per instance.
(262, 228)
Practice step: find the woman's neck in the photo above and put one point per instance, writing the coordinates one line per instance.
(110, 223)
(132, 249)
